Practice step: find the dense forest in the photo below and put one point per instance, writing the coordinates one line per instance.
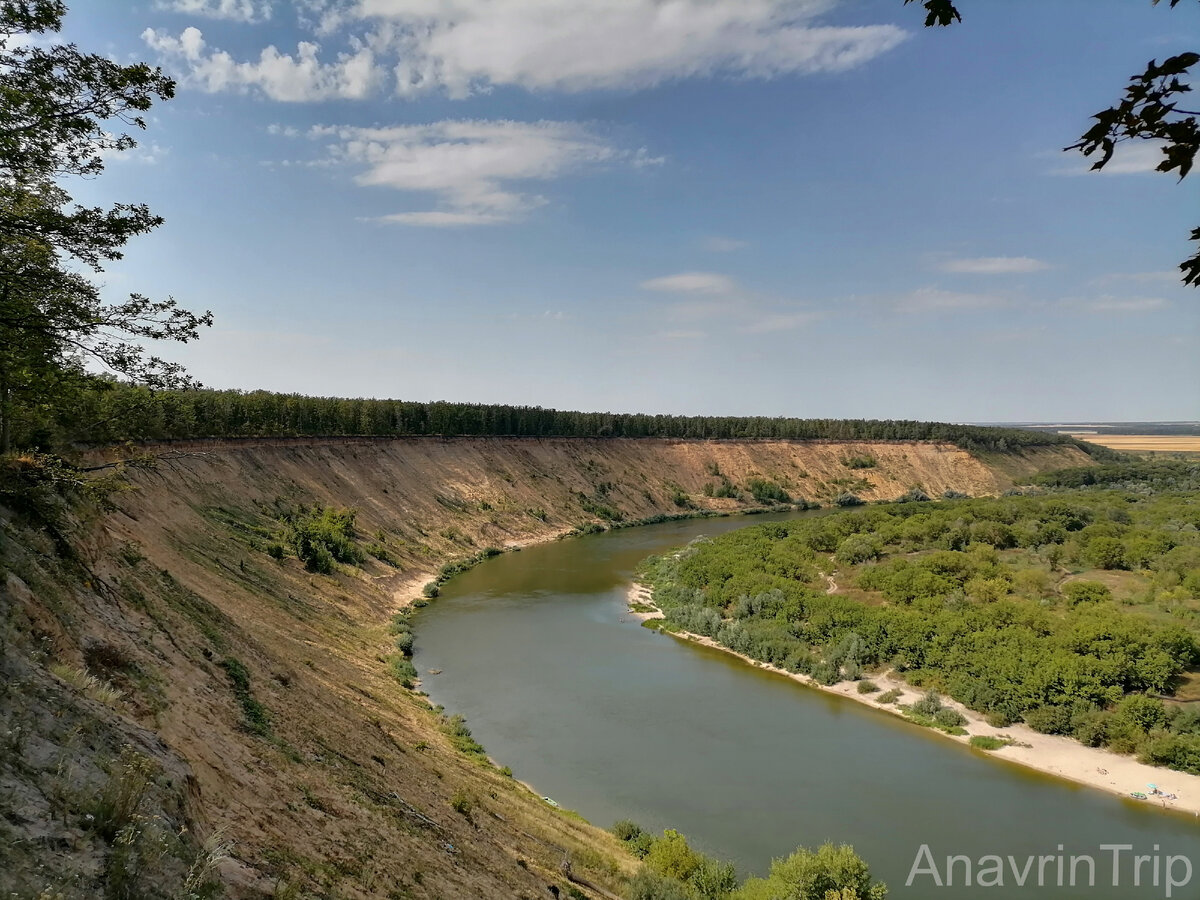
(105, 412)
(1076, 612)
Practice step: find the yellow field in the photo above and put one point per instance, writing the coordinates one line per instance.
(1159, 443)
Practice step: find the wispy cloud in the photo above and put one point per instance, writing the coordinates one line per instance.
(1167, 276)
(1130, 158)
(722, 303)
(278, 76)
(234, 10)
(471, 167)
(465, 47)
(1110, 304)
(723, 244)
(936, 300)
(691, 283)
(771, 323)
(993, 265)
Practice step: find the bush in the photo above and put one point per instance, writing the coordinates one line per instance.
(848, 499)
(987, 742)
(929, 705)
(1049, 720)
(403, 671)
(888, 697)
(431, 590)
(867, 687)
(1077, 592)
(765, 491)
(321, 536)
(275, 550)
(626, 830)
(949, 718)
(860, 461)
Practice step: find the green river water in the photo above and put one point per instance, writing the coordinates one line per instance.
(615, 721)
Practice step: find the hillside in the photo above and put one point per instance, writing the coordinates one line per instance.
(257, 696)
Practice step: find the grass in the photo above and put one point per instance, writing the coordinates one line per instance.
(987, 742)
(117, 805)
(255, 717)
(89, 685)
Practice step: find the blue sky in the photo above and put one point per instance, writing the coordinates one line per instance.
(761, 207)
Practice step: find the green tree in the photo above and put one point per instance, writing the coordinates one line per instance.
(1149, 110)
(828, 871)
(61, 112)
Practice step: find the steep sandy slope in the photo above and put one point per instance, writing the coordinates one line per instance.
(261, 692)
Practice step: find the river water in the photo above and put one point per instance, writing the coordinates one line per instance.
(616, 721)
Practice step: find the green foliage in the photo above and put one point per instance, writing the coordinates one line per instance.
(320, 536)
(829, 871)
(889, 697)
(967, 606)
(860, 461)
(403, 670)
(255, 717)
(867, 687)
(987, 742)
(117, 804)
(455, 727)
(118, 412)
(766, 491)
(1077, 592)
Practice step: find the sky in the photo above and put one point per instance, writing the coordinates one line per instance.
(731, 207)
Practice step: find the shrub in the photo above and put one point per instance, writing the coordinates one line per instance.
(1077, 592)
(403, 671)
(951, 494)
(765, 491)
(404, 643)
(1106, 553)
(431, 590)
(626, 830)
(929, 705)
(889, 696)
(275, 550)
(913, 495)
(859, 548)
(949, 718)
(121, 797)
(322, 536)
(860, 461)
(848, 499)
(867, 687)
(1049, 719)
(987, 742)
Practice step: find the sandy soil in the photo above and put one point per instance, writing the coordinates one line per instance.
(1052, 754)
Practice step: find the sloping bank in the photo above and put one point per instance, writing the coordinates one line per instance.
(263, 688)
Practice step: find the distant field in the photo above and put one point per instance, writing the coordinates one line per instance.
(1160, 443)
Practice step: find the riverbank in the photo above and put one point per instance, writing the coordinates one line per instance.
(1054, 755)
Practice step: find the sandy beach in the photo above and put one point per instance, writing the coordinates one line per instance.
(1055, 755)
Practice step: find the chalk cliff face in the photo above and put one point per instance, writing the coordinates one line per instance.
(255, 697)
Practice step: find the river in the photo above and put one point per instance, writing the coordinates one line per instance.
(616, 721)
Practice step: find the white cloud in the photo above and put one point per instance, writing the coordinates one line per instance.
(691, 283)
(1167, 276)
(235, 10)
(936, 300)
(723, 245)
(279, 76)
(994, 265)
(776, 322)
(463, 47)
(469, 166)
(1110, 304)
(1130, 158)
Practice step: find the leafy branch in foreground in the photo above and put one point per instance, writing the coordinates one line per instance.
(1149, 111)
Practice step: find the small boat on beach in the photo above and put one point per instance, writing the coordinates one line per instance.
(1137, 795)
